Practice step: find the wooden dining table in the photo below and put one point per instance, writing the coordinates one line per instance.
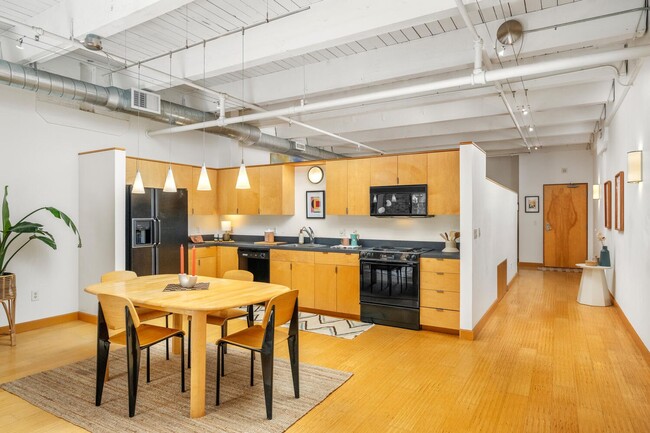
(221, 294)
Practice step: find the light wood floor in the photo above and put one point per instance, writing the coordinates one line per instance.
(543, 363)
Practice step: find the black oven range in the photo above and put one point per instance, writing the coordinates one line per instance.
(390, 286)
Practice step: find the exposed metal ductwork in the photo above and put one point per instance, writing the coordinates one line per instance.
(117, 99)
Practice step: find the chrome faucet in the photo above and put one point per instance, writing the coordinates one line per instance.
(310, 233)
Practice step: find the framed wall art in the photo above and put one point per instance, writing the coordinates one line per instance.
(608, 204)
(315, 204)
(619, 203)
(531, 204)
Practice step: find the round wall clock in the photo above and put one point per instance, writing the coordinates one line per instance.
(315, 174)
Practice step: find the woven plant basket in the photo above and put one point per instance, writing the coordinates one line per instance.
(7, 286)
(8, 301)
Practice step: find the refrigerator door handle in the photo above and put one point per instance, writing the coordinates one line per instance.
(159, 230)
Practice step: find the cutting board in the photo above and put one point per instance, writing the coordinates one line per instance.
(268, 243)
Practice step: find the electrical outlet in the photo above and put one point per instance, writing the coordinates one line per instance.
(35, 295)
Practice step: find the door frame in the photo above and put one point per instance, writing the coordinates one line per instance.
(544, 216)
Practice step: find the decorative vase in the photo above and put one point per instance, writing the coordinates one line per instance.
(8, 301)
(604, 257)
(450, 247)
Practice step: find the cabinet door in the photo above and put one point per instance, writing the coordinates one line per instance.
(183, 179)
(444, 183)
(226, 192)
(280, 273)
(204, 202)
(131, 164)
(411, 169)
(358, 187)
(207, 266)
(336, 189)
(228, 260)
(347, 289)
(302, 279)
(325, 287)
(248, 200)
(153, 173)
(383, 171)
(277, 190)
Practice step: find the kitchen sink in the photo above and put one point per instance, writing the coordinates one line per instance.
(305, 245)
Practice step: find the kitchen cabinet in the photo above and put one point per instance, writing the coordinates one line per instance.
(398, 170)
(443, 184)
(203, 202)
(226, 192)
(183, 179)
(337, 286)
(440, 293)
(294, 269)
(206, 261)
(348, 187)
(248, 200)
(277, 190)
(153, 173)
(228, 260)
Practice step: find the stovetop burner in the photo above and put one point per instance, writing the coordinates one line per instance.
(392, 253)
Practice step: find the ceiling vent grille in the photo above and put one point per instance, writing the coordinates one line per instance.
(299, 144)
(145, 101)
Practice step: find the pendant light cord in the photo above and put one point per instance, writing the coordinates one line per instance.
(171, 107)
(242, 86)
(137, 168)
(204, 110)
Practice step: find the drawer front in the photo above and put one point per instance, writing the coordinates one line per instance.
(302, 257)
(440, 318)
(440, 265)
(440, 299)
(440, 281)
(336, 259)
(281, 255)
(204, 252)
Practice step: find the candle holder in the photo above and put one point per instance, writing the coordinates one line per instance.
(187, 281)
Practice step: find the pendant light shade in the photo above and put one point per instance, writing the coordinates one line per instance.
(170, 184)
(204, 180)
(138, 186)
(242, 178)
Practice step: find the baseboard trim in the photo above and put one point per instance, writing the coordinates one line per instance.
(440, 330)
(330, 313)
(41, 323)
(85, 317)
(630, 329)
(473, 334)
(530, 265)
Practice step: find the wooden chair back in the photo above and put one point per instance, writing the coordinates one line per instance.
(284, 305)
(237, 274)
(113, 307)
(118, 276)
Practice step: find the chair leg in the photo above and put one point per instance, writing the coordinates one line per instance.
(267, 377)
(148, 365)
(167, 341)
(293, 357)
(102, 363)
(182, 362)
(133, 366)
(189, 343)
(219, 369)
(224, 332)
(252, 366)
(223, 366)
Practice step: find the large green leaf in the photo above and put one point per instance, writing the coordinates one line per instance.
(26, 227)
(67, 220)
(6, 225)
(48, 240)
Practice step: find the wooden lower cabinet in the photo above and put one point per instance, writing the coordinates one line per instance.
(347, 290)
(325, 289)
(294, 269)
(206, 261)
(440, 293)
(302, 279)
(228, 260)
(280, 273)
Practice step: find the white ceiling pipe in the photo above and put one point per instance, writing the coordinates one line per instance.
(521, 71)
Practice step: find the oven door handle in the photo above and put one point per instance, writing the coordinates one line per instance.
(388, 262)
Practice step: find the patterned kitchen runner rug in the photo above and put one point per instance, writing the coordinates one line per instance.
(326, 325)
(544, 268)
(69, 393)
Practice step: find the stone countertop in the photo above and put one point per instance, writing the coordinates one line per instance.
(437, 254)
(325, 249)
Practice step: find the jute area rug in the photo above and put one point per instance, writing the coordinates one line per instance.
(69, 392)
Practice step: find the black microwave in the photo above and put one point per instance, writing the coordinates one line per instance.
(399, 200)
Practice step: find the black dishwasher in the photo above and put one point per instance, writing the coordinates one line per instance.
(255, 261)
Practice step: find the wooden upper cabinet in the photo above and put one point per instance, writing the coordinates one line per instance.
(183, 179)
(153, 173)
(412, 169)
(277, 190)
(358, 187)
(204, 202)
(444, 183)
(383, 171)
(336, 187)
(248, 200)
(226, 192)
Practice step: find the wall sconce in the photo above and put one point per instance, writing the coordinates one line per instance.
(635, 166)
(596, 192)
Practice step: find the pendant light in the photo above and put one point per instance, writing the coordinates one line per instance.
(204, 180)
(170, 183)
(138, 186)
(242, 177)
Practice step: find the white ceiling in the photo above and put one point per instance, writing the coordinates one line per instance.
(319, 50)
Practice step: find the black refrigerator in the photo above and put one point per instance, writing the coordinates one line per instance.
(156, 227)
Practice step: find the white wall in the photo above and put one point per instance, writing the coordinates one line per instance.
(504, 170)
(537, 169)
(40, 146)
(414, 229)
(630, 130)
(489, 211)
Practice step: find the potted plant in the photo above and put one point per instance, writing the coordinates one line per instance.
(14, 232)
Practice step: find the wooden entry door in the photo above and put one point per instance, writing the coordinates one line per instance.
(565, 225)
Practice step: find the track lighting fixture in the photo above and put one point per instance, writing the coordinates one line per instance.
(19, 44)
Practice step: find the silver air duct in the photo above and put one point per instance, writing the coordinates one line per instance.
(117, 99)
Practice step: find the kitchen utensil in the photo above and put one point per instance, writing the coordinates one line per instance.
(354, 239)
